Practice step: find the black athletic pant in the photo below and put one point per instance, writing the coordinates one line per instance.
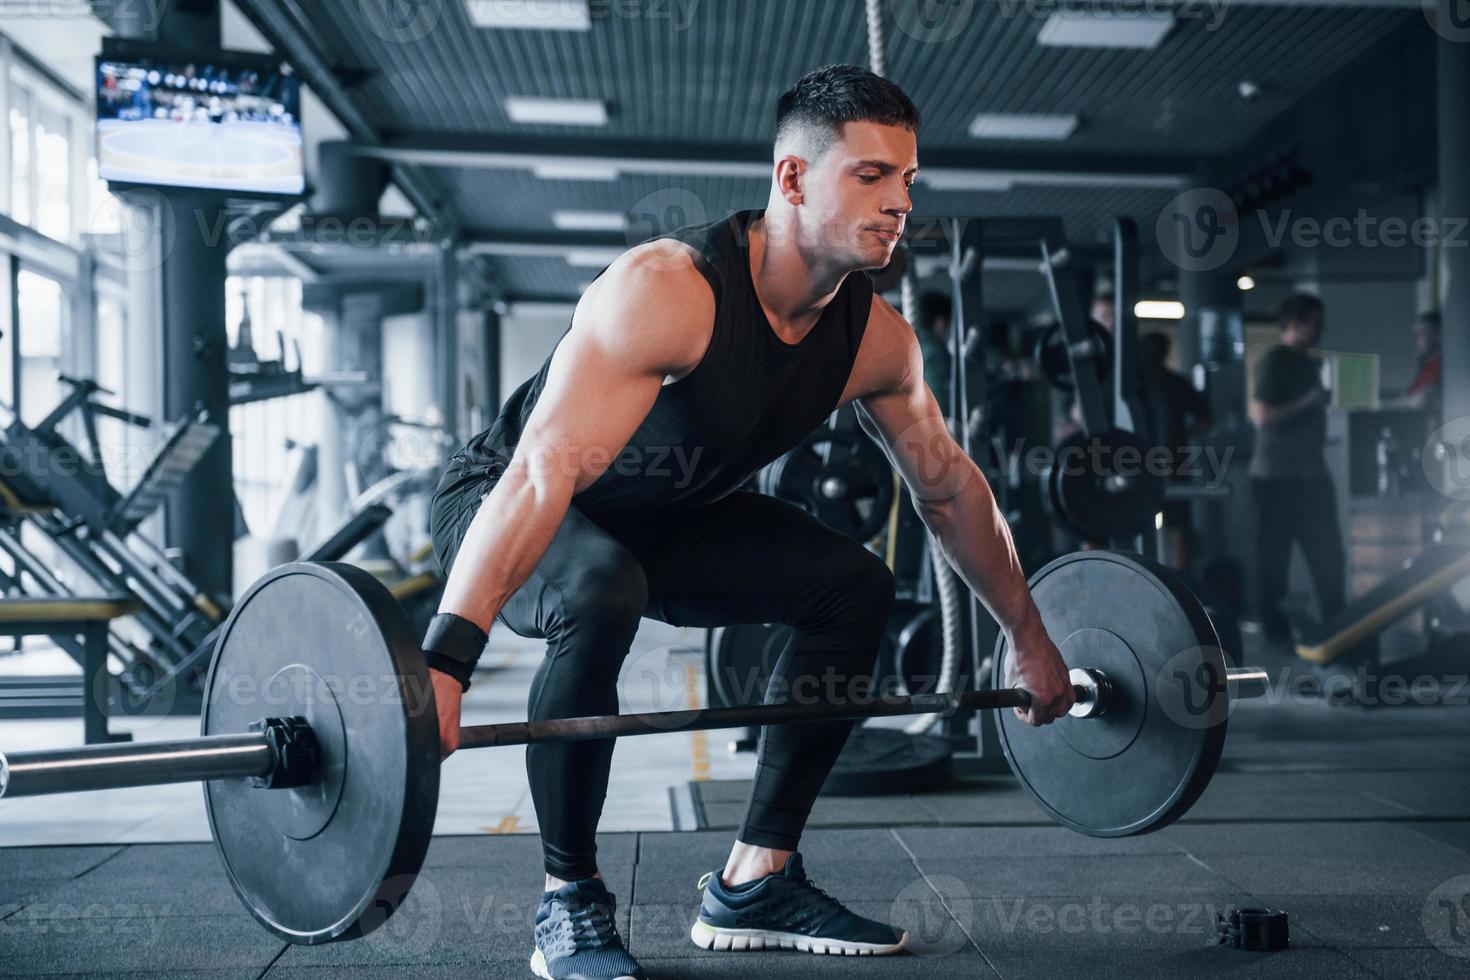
(1302, 511)
(746, 558)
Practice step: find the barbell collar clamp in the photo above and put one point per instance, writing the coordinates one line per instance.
(1094, 692)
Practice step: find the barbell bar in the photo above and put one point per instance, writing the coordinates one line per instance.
(257, 756)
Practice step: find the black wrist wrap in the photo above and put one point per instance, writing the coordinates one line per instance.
(453, 645)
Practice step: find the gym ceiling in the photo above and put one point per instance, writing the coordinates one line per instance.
(688, 88)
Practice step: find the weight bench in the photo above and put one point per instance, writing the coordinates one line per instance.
(86, 617)
(1436, 569)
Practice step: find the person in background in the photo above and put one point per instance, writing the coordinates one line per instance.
(1293, 492)
(1104, 310)
(1176, 414)
(932, 328)
(1423, 392)
(1104, 314)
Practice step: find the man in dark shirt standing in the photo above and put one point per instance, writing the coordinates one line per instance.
(1293, 491)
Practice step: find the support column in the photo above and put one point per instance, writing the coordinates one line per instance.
(201, 513)
(446, 340)
(191, 248)
(1454, 204)
(352, 341)
(490, 402)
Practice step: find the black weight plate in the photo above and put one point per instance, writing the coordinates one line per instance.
(1148, 758)
(1103, 487)
(1053, 362)
(920, 652)
(839, 476)
(332, 859)
(881, 761)
(742, 659)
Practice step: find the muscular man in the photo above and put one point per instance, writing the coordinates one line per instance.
(606, 491)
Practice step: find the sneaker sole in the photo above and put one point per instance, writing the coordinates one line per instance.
(722, 940)
(539, 967)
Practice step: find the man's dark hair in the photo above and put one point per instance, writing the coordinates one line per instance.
(816, 108)
(932, 306)
(1301, 308)
(1430, 320)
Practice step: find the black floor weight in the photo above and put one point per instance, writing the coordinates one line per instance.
(319, 751)
(840, 477)
(742, 659)
(1054, 363)
(920, 652)
(1104, 486)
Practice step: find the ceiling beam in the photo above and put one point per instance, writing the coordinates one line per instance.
(282, 24)
(985, 170)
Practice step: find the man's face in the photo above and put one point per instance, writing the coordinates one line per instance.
(855, 198)
(1104, 312)
(1303, 333)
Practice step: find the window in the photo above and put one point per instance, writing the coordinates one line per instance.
(53, 174)
(125, 448)
(43, 322)
(264, 431)
(20, 154)
(49, 141)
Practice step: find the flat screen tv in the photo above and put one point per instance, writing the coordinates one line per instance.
(223, 120)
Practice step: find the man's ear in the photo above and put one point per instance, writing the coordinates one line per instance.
(791, 178)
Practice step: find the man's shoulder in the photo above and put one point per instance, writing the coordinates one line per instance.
(662, 269)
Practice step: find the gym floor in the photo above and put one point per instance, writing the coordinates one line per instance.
(1355, 821)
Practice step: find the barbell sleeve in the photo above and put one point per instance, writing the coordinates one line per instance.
(132, 764)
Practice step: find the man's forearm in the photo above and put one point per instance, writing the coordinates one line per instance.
(973, 536)
(511, 531)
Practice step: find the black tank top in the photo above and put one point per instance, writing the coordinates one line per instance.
(751, 397)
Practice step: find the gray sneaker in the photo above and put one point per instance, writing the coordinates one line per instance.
(576, 938)
(786, 911)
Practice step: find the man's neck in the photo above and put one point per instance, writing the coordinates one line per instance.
(792, 287)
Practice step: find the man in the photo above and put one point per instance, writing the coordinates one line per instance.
(1295, 500)
(1176, 413)
(606, 491)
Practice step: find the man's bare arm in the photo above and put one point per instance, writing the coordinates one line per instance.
(954, 501)
(648, 317)
(950, 493)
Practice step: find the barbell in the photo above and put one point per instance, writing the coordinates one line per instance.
(319, 745)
